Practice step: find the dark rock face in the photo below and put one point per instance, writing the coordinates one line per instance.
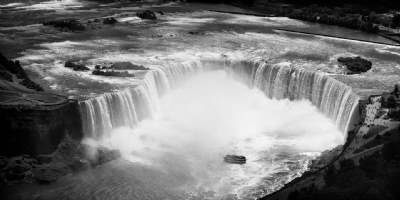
(43, 159)
(70, 156)
(36, 131)
(127, 66)
(234, 159)
(72, 24)
(147, 15)
(76, 67)
(110, 20)
(356, 65)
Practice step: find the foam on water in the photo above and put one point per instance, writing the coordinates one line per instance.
(129, 20)
(57, 5)
(183, 19)
(389, 50)
(9, 5)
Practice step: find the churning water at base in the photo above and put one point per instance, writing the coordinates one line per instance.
(212, 115)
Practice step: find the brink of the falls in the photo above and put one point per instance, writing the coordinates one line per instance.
(128, 107)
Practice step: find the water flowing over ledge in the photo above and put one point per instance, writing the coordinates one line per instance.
(280, 81)
(130, 106)
(333, 98)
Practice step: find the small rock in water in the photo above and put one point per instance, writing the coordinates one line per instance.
(193, 32)
(147, 15)
(76, 67)
(355, 65)
(234, 159)
(72, 24)
(110, 20)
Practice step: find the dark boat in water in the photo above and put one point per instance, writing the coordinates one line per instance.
(233, 159)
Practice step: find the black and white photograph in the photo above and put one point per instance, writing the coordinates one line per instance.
(199, 100)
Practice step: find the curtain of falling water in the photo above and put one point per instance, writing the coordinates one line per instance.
(281, 81)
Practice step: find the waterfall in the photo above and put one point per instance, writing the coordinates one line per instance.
(280, 81)
(333, 98)
(130, 106)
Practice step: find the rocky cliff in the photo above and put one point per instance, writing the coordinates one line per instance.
(30, 125)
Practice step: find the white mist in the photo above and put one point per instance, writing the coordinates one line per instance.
(212, 115)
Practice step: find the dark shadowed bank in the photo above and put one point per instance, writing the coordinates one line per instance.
(41, 133)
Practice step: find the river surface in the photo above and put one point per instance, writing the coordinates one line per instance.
(43, 50)
(177, 154)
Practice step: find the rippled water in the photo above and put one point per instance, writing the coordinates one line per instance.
(168, 42)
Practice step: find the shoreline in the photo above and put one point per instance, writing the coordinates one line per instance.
(259, 13)
(336, 37)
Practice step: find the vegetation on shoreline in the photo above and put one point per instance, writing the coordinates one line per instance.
(10, 68)
(349, 17)
(354, 14)
(380, 6)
